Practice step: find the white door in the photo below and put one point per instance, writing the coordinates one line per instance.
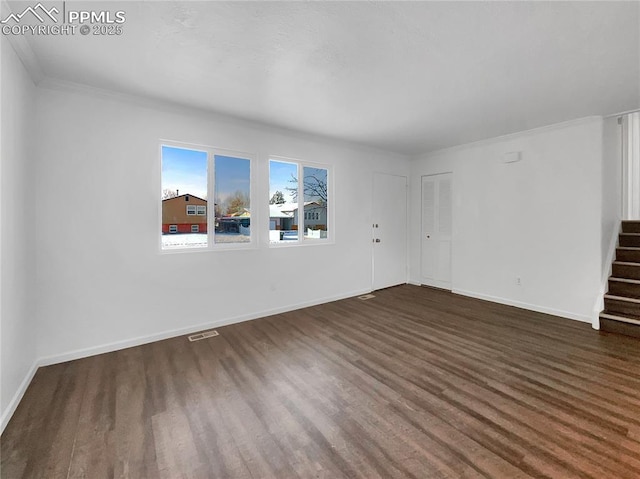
(436, 230)
(389, 230)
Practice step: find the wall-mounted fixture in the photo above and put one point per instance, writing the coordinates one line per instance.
(512, 157)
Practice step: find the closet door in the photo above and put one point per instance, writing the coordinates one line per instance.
(436, 230)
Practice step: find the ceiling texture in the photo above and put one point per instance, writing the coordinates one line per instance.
(408, 77)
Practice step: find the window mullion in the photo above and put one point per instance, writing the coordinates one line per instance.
(211, 201)
(301, 222)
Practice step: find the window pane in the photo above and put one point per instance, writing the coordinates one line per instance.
(283, 202)
(232, 204)
(315, 202)
(184, 184)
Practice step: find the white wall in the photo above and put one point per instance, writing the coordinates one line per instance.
(16, 239)
(538, 219)
(101, 281)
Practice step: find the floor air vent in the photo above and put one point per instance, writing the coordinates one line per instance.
(364, 297)
(206, 334)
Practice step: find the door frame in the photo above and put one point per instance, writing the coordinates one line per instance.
(631, 166)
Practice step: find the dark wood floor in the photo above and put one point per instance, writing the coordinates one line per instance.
(413, 383)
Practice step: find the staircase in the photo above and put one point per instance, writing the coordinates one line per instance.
(622, 301)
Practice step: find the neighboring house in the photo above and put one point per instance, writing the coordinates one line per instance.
(184, 214)
(285, 216)
(234, 223)
(281, 217)
(315, 216)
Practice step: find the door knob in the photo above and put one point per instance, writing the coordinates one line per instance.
(377, 240)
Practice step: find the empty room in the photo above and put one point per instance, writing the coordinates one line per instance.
(320, 239)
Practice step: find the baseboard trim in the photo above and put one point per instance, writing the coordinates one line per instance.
(433, 283)
(523, 305)
(17, 397)
(172, 333)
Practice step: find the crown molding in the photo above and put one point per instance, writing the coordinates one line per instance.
(510, 136)
(22, 48)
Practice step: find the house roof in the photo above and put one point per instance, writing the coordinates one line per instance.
(182, 196)
(245, 214)
(286, 210)
(294, 207)
(277, 211)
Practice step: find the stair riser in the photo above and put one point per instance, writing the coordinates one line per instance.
(631, 226)
(625, 271)
(630, 241)
(629, 256)
(628, 290)
(621, 307)
(619, 327)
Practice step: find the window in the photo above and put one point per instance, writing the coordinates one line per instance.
(184, 184)
(232, 199)
(287, 224)
(190, 176)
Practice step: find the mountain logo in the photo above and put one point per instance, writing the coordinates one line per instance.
(38, 11)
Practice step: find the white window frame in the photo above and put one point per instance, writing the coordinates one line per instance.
(302, 241)
(201, 210)
(194, 210)
(195, 228)
(212, 152)
(174, 228)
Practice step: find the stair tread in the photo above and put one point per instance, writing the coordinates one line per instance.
(626, 263)
(629, 234)
(622, 298)
(624, 280)
(628, 248)
(621, 317)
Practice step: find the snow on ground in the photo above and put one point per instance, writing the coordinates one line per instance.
(199, 240)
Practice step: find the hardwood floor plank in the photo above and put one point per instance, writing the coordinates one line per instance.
(363, 426)
(414, 383)
(93, 453)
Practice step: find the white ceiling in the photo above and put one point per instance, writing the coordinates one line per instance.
(403, 76)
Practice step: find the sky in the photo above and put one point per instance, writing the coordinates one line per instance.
(231, 175)
(312, 174)
(185, 170)
(279, 176)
